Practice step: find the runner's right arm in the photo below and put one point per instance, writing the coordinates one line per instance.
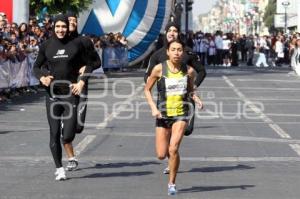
(39, 62)
(154, 76)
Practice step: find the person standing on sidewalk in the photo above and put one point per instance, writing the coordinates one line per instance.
(261, 47)
(296, 57)
(250, 46)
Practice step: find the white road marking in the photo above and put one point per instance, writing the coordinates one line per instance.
(256, 122)
(196, 159)
(210, 137)
(264, 89)
(244, 138)
(220, 114)
(261, 99)
(241, 159)
(33, 159)
(269, 121)
(296, 147)
(266, 80)
(121, 108)
(83, 144)
(254, 108)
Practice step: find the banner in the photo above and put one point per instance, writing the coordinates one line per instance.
(16, 75)
(4, 75)
(140, 21)
(15, 10)
(32, 79)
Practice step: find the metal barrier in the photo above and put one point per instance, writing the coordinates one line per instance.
(17, 75)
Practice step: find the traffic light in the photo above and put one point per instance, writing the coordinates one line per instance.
(190, 5)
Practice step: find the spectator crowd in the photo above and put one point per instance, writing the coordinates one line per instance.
(21, 41)
(232, 50)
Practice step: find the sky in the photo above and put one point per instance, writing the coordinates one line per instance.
(202, 6)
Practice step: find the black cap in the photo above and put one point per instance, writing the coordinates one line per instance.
(61, 17)
(170, 24)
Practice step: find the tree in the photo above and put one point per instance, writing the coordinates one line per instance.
(57, 6)
(269, 14)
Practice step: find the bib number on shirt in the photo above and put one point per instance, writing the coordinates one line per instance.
(176, 86)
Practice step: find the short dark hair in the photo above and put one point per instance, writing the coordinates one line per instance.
(170, 24)
(176, 41)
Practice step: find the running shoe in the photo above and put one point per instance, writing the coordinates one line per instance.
(188, 132)
(60, 174)
(166, 170)
(172, 189)
(72, 165)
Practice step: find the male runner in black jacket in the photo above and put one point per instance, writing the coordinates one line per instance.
(95, 62)
(63, 56)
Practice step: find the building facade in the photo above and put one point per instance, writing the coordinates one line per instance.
(237, 16)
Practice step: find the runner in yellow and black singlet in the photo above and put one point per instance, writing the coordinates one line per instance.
(175, 83)
(172, 96)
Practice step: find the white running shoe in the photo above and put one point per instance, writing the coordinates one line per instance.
(172, 189)
(166, 170)
(60, 174)
(72, 164)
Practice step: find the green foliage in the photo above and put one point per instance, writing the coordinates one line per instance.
(57, 6)
(269, 14)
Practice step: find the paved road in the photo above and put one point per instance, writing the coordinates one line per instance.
(246, 143)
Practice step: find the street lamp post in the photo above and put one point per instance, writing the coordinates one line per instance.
(188, 8)
(285, 4)
(186, 16)
(259, 25)
(178, 13)
(249, 21)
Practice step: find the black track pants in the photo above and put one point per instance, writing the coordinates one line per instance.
(190, 127)
(81, 112)
(65, 111)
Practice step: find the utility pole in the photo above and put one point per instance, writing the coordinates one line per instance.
(188, 9)
(285, 4)
(178, 12)
(186, 17)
